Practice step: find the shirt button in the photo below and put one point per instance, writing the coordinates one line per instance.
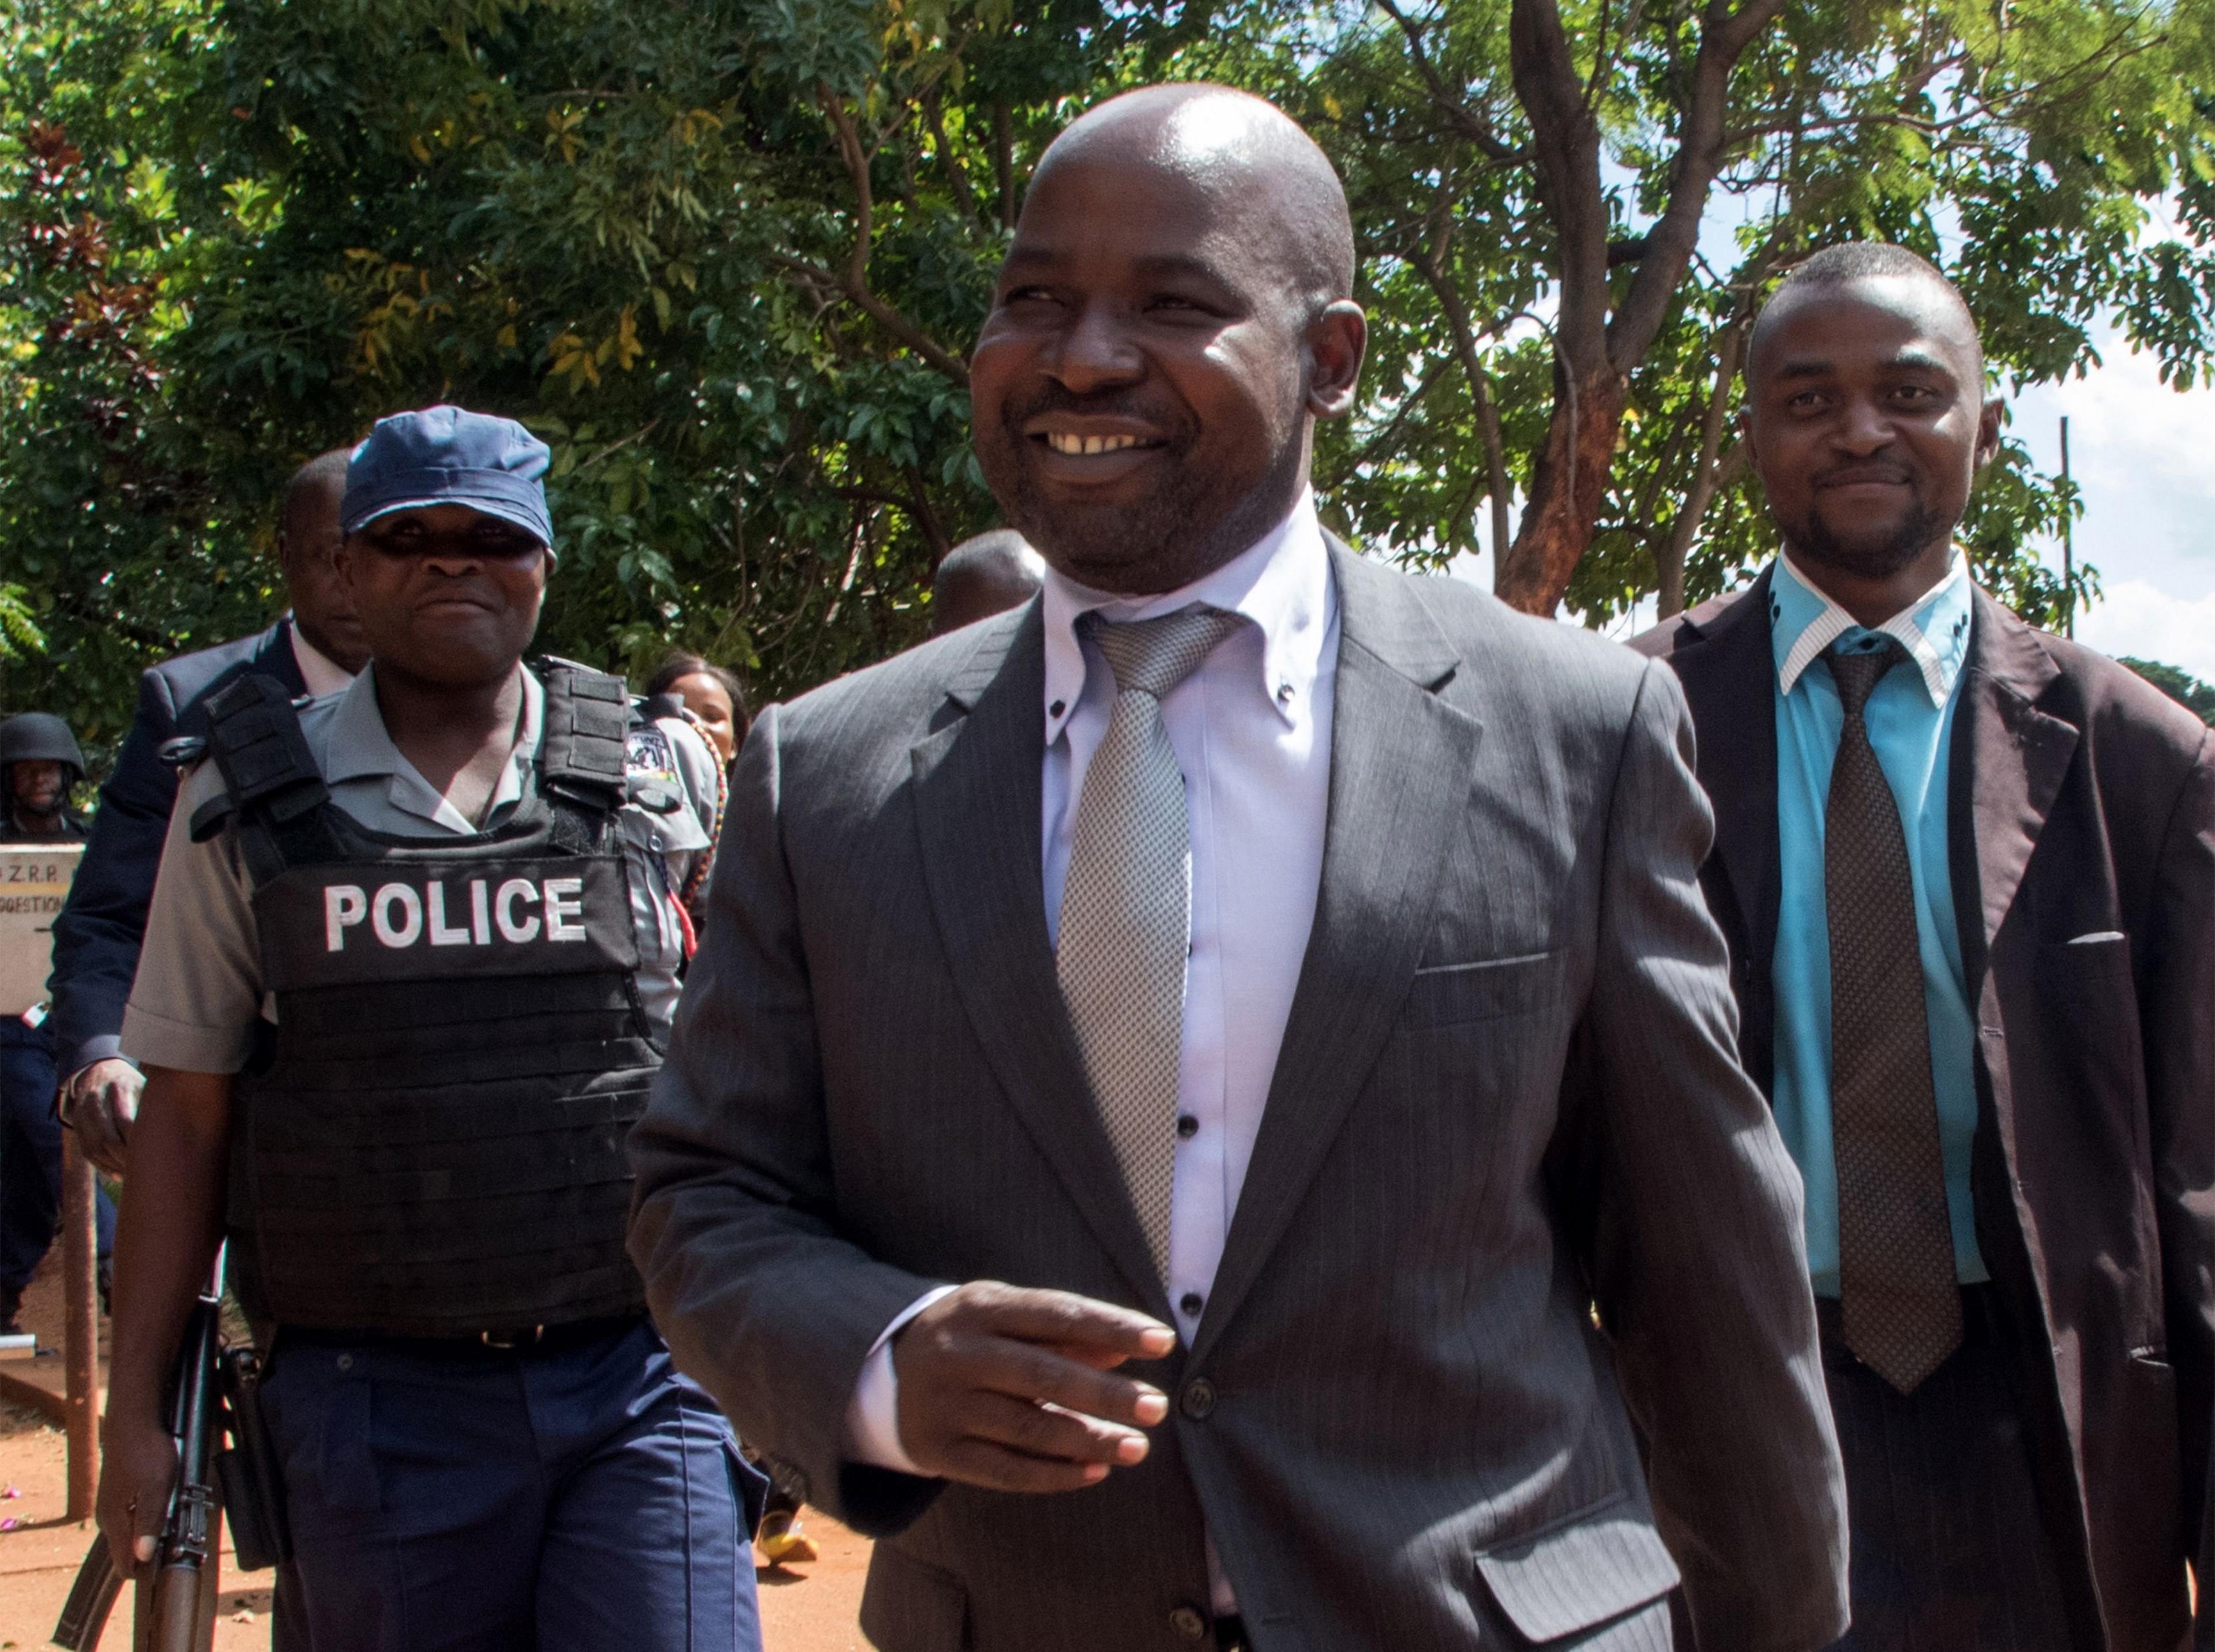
(1197, 1400)
(1284, 693)
(1189, 1623)
(346, 1361)
(1191, 1303)
(1188, 1127)
(1054, 710)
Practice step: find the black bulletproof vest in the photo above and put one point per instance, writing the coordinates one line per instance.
(431, 1143)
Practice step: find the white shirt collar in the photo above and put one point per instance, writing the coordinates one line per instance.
(318, 671)
(1281, 583)
(361, 749)
(1937, 650)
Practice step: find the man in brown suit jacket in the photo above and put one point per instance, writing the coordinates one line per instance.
(2040, 1485)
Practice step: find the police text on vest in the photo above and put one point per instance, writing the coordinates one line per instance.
(400, 915)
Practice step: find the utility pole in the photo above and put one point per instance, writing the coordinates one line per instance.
(2068, 540)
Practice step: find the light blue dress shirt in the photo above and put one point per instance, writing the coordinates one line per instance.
(1910, 717)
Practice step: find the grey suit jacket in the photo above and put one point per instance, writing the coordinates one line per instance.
(1507, 1097)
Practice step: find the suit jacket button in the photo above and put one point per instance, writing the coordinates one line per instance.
(1189, 1622)
(1199, 1399)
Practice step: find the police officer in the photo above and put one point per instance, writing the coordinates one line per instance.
(452, 886)
(40, 767)
(40, 764)
(315, 648)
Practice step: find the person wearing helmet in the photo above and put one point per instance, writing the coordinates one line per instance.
(40, 757)
(40, 767)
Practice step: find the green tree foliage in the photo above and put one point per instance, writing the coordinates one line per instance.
(1530, 180)
(2181, 687)
(723, 257)
(727, 258)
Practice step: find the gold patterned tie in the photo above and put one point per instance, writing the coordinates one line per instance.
(1127, 907)
(1898, 1295)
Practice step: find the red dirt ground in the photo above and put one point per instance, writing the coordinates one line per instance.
(804, 1609)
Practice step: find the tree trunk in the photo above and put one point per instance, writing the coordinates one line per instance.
(1567, 485)
(1598, 345)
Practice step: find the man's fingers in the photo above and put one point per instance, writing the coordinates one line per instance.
(1029, 1374)
(104, 1100)
(1065, 1319)
(99, 1132)
(981, 1462)
(1050, 1431)
(1015, 1390)
(135, 1480)
(134, 1532)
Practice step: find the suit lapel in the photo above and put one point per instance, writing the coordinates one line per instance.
(977, 806)
(1729, 674)
(1403, 764)
(2018, 754)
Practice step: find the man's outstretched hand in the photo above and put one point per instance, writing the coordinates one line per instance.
(103, 1100)
(1013, 1390)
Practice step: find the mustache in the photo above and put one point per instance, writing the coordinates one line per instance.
(1864, 471)
(1050, 397)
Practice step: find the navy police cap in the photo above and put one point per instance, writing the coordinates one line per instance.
(449, 456)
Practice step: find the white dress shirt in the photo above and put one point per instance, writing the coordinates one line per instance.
(1251, 730)
(321, 674)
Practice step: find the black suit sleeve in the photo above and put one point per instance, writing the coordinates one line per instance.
(98, 934)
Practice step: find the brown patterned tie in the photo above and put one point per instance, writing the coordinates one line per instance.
(1901, 1306)
(1126, 906)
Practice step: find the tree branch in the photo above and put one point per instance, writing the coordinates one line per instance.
(1709, 474)
(1724, 37)
(926, 518)
(1566, 152)
(1004, 153)
(1471, 124)
(1480, 390)
(957, 173)
(854, 280)
(857, 169)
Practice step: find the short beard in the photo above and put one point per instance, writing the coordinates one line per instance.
(1813, 540)
(1100, 542)
(1170, 535)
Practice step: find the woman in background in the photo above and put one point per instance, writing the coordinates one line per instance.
(712, 695)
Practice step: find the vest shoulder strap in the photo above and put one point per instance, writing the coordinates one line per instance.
(253, 735)
(588, 733)
(273, 787)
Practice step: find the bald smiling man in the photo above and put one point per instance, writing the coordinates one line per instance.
(1175, 1066)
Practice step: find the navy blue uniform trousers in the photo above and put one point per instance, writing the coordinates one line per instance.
(31, 1155)
(581, 1496)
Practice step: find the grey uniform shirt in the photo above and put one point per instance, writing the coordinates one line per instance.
(199, 989)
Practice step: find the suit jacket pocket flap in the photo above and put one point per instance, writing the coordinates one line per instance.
(1448, 993)
(907, 1606)
(1580, 1572)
